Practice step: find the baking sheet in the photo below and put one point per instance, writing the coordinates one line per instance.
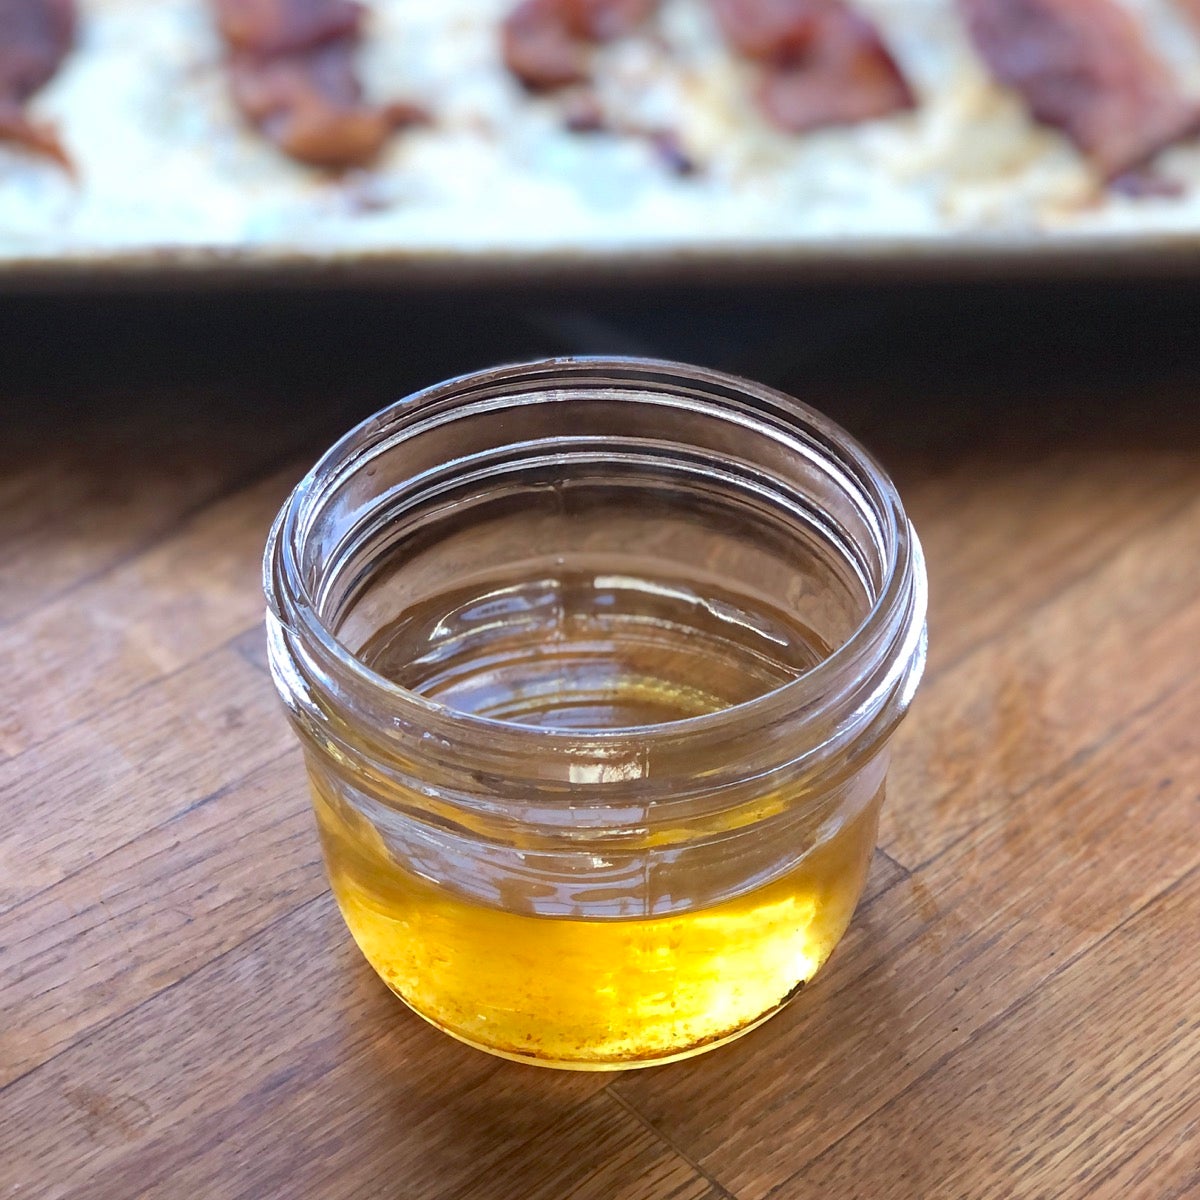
(171, 181)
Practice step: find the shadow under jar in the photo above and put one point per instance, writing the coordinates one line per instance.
(594, 664)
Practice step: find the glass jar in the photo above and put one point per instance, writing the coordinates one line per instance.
(595, 664)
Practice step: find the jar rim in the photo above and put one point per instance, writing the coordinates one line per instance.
(893, 627)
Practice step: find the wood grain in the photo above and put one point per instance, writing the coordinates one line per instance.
(149, 616)
(968, 1128)
(599, 1151)
(101, 783)
(143, 916)
(1014, 1012)
(86, 485)
(1067, 674)
(1001, 538)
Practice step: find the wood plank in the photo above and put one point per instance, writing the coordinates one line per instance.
(1166, 1165)
(147, 617)
(252, 646)
(599, 1151)
(1020, 709)
(1048, 1099)
(885, 873)
(1004, 534)
(154, 910)
(283, 1068)
(84, 487)
(134, 765)
(939, 955)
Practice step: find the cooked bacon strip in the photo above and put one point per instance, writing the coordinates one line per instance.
(824, 63)
(605, 20)
(284, 26)
(1084, 67)
(847, 76)
(310, 105)
(539, 47)
(292, 74)
(773, 31)
(35, 36)
(547, 43)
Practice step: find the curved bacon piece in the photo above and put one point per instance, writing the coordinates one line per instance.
(540, 48)
(284, 26)
(824, 63)
(310, 105)
(1084, 67)
(35, 36)
(606, 20)
(847, 76)
(547, 43)
(773, 31)
(293, 75)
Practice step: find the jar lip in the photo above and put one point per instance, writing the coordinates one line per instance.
(902, 590)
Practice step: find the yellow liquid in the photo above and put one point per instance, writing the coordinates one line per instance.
(594, 993)
(594, 990)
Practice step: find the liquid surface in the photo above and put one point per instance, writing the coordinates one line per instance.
(593, 649)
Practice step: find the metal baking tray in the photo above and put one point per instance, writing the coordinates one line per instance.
(171, 185)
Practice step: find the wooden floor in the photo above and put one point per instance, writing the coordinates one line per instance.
(1014, 1013)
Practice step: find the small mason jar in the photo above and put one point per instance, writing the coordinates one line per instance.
(595, 664)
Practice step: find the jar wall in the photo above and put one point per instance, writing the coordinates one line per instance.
(600, 957)
(595, 665)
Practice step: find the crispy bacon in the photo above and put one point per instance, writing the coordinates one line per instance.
(310, 105)
(292, 71)
(540, 48)
(605, 20)
(285, 26)
(773, 31)
(547, 43)
(847, 76)
(1084, 67)
(823, 63)
(293, 75)
(35, 36)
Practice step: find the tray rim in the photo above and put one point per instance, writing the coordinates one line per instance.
(1009, 255)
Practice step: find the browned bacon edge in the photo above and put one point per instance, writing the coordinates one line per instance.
(823, 63)
(1085, 67)
(293, 74)
(35, 37)
(547, 44)
(284, 26)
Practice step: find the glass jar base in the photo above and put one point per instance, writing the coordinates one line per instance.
(606, 1064)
